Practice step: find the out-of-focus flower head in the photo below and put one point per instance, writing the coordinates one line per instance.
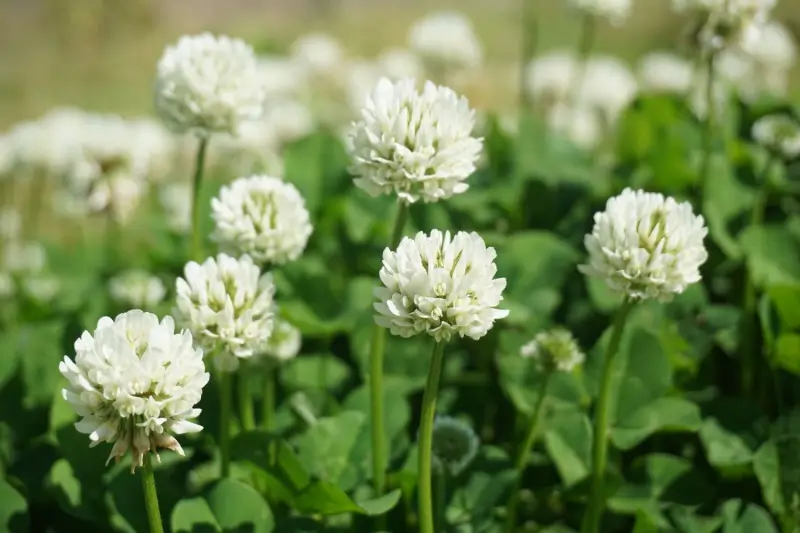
(665, 72)
(446, 42)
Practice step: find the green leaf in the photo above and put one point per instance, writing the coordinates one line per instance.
(751, 519)
(730, 435)
(193, 515)
(326, 448)
(13, 509)
(787, 352)
(491, 477)
(772, 255)
(786, 299)
(236, 505)
(274, 457)
(568, 440)
(314, 371)
(69, 493)
(328, 499)
(767, 469)
(662, 414)
(724, 204)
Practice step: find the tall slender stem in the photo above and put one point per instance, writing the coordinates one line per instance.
(199, 164)
(268, 400)
(585, 45)
(246, 413)
(530, 34)
(441, 497)
(591, 520)
(379, 452)
(424, 489)
(524, 451)
(151, 496)
(225, 422)
(708, 131)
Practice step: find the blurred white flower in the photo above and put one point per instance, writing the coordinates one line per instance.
(698, 95)
(290, 120)
(228, 306)
(6, 157)
(284, 343)
(176, 200)
(665, 72)
(727, 22)
(550, 77)
(579, 125)
(439, 285)
(646, 246)
(454, 444)
(42, 288)
(208, 84)
(263, 217)
(10, 223)
(417, 145)
(318, 54)
(554, 350)
(23, 257)
(616, 11)
(399, 63)
(446, 41)
(137, 288)
(779, 134)
(283, 77)
(135, 382)
(608, 86)
(361, 77)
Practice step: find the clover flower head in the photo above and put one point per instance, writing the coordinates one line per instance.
(454, 444)
(227, 304)
(418, 145)
(441, 285)
(646, 246)
(446, 41)
(134, 382)
(137, 288)
(616, 11)
(779, 134)
(554, 350)
(284, 343)
(665, 72)
(262, 216)
(208, 84)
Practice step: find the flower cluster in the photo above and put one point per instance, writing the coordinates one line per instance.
(616, 11)
(284, 343)
(227, 304)
(417, 145)
(554, 350)
(138, 289)
(454, 444)
(263, 217)
(134, 382)
(727, 22)
(646, 246)
(778, 133)
(440, 285)
(208, 84)
(446, 41)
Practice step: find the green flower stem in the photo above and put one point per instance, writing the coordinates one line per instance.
(585, 46)
(199, 164)
(151, 496)
(268, 400)
(530, 34)
(524, 451)
(708, 131)
(424, 489)
(379, 453)
(225, 422)
(246, 413)
(441, 497)
(594, 513)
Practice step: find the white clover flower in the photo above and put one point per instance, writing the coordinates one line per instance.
(10, 223)
(579, 125)
(135, 382)
(665, 72)
(779, 134)
(24, 257)
(208, 84)
(263, 217)
(608, 86)
(616, 11)
(399, 63)
(417, 145)
(646, 246)
(454, 444)
(43, 288)
(318, 54)
(549, 79)
(289, 120)
(446, 41)
(439, 285)
(554, 350)
(137, 288)
(728, 22)
(283, 77)
(228, 306)
(284, 343)
(176, 201)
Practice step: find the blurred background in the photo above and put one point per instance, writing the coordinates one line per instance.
(101, 54)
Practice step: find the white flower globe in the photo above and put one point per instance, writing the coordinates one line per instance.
(446, 41)
(665, 72)
(284, 343)
(616, 11)
(228, 306)
(137, 288)
(209, 84)
(778, 133)
(441, 285)
(416, 145)
(554, 350)
(646, 246)
(135, 382)
(262, 216)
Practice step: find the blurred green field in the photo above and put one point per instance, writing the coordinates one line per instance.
(101, 54)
